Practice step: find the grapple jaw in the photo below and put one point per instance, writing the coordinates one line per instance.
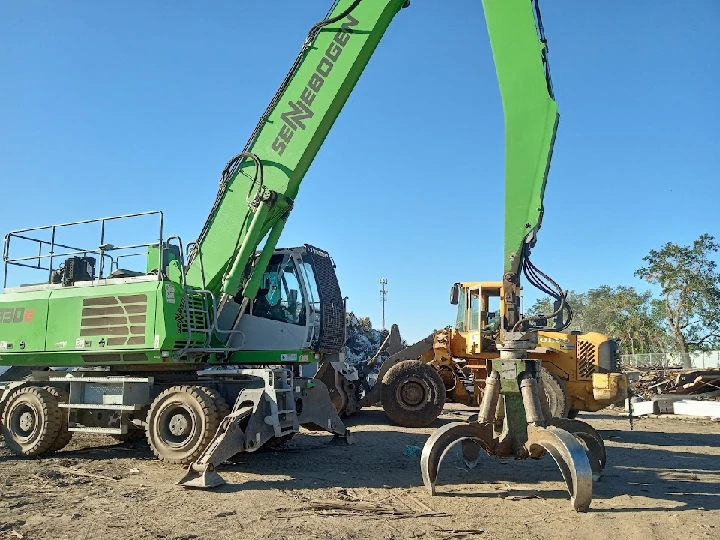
(570, 457)
(575, 446)
(474, 435)
(589, 438)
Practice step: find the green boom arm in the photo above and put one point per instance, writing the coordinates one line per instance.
(258, 186)
(531, 119)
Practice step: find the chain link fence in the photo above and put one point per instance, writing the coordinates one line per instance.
(697, 360)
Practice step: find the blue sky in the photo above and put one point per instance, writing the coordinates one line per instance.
(115, 107)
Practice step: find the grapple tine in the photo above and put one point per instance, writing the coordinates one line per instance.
(442, 439)
(590, 438)
(571, 458)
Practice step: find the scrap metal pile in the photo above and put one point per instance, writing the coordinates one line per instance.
(699, 383)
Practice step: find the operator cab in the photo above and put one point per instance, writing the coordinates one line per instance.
(479, 312)
(298, 305)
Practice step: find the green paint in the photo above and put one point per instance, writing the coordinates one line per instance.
(273, 357)
(67, 327)
(287, 144)
(515, 420)
(531, 119)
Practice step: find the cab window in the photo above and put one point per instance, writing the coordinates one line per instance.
(280, 297)
(474, 310)
(461, 309)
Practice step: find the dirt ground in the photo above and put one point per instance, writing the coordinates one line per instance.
(661, 482)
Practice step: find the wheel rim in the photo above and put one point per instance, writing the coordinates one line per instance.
(24, 422)
(412, 394)
(177, 426)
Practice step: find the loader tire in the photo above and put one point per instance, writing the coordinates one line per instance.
(64, 437)
(181, 422)
(556, 394)
(413, 394)
(31, 421)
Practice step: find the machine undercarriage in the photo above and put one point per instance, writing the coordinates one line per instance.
(186, 415)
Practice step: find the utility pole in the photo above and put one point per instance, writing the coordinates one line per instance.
(383, 298)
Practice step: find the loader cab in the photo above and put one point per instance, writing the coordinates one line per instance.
(479, 313)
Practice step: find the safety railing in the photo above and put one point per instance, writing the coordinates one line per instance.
(50, 250)
(201, 315)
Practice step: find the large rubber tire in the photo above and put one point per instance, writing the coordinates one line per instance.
(64, 436)
(413, 394)
(221, 405)
(31, 421)
(181, 422)
(555, 393)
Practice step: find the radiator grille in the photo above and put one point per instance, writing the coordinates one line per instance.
(121, 319)
(199, 323)
(586, 355)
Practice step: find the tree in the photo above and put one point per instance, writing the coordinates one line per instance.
(622, 312)
(690, 288)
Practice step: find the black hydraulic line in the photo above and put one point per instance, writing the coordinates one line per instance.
(543, 40)
(547, 285)
(234, 163)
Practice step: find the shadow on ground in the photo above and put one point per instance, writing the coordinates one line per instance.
(659, 473)
(378, 460)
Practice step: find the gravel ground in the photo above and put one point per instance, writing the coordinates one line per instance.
(661, 482)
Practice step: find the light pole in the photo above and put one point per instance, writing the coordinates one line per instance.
(383, 298)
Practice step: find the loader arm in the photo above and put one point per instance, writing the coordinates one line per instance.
(259, 185)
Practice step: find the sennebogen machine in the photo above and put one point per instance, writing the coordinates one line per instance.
(200, 345)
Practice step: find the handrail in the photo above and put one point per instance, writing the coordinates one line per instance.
(101, 249)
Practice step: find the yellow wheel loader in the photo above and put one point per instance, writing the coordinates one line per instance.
(579, 370)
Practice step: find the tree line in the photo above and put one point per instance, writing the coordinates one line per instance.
(683, 317)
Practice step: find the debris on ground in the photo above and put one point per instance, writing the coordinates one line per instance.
(413, 451)
(703, 383)
(689, 392)
(661, 479)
